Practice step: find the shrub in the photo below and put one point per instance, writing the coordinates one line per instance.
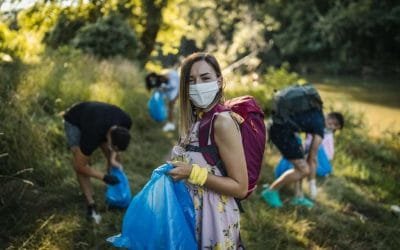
(263, 91)
(68, 24)
(108, 37)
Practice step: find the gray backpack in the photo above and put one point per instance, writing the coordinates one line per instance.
(292, 100)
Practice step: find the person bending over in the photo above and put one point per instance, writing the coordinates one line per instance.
(89, 125)
(297, 109)
(169, 84)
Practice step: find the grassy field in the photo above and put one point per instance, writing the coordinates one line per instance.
(352, 210)
(378, 100)
(41, 206)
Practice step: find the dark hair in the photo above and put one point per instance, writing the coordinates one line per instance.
(120, 138)
(152, 81)
(338, 117)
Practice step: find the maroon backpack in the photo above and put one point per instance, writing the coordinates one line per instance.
(253, 132)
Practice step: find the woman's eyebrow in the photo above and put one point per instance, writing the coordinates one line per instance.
(201, 75)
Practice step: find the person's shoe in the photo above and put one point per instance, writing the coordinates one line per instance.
(169, 126)
(92, 214)
(272, 198)
(313, 189)
(302, 201)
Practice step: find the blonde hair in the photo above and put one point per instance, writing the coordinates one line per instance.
(186, 111)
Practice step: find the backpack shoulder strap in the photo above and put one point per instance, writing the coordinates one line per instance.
(206, 136)
(207, 144)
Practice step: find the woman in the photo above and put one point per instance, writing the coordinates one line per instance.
(213, 194)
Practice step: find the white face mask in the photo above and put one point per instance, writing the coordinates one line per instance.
(202, 94)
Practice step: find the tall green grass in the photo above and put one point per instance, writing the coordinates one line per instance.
(37, 180)
(353, 207)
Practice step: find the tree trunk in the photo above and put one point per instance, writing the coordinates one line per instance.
(153, 10)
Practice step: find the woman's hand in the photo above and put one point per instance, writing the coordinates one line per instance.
(180, 171)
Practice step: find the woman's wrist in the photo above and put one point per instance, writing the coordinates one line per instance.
(189, 169)
(198, 175)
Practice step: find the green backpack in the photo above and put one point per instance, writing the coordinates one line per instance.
(292, 100)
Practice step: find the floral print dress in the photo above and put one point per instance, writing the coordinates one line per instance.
(217, 216)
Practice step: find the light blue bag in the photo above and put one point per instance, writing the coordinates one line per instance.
(324, 166)
(160, 216)
(157, 108)
(282, 167)
(119, 195)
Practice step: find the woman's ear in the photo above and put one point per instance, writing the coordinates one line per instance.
(220, 80)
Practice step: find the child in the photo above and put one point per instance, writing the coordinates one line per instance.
(169, 84)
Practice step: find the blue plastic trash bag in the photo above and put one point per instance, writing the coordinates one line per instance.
(119, 195)
(157, 108)
(160, 216)
(324, 166)
(282, 167)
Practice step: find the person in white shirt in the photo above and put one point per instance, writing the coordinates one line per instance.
(168, 83)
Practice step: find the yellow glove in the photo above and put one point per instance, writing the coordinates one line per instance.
(198, 175)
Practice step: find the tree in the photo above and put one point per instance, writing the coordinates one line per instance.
(152, 24)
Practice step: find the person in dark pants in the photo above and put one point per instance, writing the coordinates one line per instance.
(89, 125)
(284, 138)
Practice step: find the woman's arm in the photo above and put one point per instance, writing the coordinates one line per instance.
(230, 147)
